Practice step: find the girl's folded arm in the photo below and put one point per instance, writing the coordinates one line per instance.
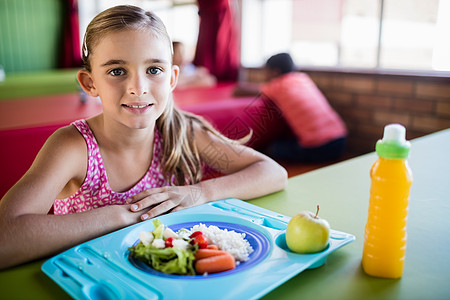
(26, 230)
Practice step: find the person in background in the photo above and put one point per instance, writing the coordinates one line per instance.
(190, 75)
(320, 133)
(140, 158)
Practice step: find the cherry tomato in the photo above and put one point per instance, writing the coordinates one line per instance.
(201, 240)
(195, 233)
(168, 242)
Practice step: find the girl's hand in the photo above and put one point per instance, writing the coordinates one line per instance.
(157, 201)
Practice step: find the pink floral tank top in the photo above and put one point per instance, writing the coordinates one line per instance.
(95, 191)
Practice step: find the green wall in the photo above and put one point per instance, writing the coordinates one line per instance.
(30, 34)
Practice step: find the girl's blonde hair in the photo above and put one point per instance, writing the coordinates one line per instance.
(181, 163)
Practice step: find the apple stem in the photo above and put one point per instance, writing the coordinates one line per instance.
(317, 212)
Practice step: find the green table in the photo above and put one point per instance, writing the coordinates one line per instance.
(342, 190)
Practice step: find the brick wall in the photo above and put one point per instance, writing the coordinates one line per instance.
(368, 101)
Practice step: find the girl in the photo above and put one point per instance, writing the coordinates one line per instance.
(140, 158)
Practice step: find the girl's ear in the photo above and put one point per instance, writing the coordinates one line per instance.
(86, 82)
(174, 77)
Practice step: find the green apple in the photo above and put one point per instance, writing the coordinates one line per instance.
(307, 233)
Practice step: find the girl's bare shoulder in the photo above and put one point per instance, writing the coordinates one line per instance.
(62, 159)
(66, 138)
(66, 145)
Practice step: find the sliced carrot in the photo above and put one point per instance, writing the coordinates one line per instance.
(213, 247)
(203, 253)
(215, 264)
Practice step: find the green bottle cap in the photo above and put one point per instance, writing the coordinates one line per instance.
(393, 145)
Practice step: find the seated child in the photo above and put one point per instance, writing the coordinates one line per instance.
(140, 158)
(320, 134)
(190, 75)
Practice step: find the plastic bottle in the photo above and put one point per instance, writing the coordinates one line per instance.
(385, 231)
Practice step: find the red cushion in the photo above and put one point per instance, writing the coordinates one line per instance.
(236, 117)
(19, 148)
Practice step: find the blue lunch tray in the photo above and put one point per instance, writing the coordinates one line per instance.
(102, 268)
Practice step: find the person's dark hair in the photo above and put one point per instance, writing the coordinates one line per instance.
(281, 62)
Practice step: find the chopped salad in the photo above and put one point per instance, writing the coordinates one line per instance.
(189, 252)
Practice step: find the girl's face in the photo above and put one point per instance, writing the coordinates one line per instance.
(133, 75)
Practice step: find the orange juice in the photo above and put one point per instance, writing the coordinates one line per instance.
(385, 231)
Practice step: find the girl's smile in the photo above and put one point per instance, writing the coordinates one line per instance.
(137, 108)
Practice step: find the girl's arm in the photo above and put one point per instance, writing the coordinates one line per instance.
(26, 230)
(249, 174)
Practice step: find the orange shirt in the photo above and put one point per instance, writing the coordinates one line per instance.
(305, 109)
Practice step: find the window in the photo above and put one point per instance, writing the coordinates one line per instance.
(389, 34)
(179, 16)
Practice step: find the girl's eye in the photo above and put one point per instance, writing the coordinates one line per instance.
(117, 72)
(154, 70)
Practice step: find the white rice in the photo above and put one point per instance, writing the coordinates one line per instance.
(229, 241)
